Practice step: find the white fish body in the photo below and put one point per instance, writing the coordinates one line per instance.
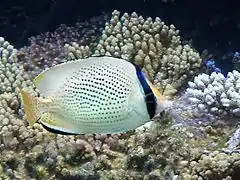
(93, 95)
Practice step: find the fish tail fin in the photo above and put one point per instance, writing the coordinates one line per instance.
(30, 104)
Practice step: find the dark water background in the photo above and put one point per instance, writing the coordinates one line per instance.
(211, 24)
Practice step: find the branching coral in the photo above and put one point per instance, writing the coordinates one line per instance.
(12, 74)
(176, 66)
(151, 44)
(215, 93)
(74, 51)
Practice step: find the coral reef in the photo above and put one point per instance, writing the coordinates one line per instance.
(151, 44)
(12, 76)
(213, 165)
(175, 146)
(11, 73)
(47, 49)
(75, 51)
(216, 94)
(155, 152)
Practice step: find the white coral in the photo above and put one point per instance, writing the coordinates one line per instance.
(215, 93)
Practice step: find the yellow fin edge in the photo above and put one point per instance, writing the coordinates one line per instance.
(38, 79)
(159, 96)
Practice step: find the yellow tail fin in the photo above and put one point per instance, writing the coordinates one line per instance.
(30, 104)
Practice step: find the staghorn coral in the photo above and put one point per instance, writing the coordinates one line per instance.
(215, 93)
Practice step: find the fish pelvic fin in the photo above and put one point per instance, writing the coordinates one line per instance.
(32, 106)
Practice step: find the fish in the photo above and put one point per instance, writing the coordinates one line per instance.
(96, 95)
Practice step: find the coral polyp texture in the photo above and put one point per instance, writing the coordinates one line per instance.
(12, 74)
(215, 93)
(214, 165)
(160, 149)
(46, 50)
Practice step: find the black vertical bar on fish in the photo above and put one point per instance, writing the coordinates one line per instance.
(150, 98)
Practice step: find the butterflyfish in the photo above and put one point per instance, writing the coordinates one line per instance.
(93, 95)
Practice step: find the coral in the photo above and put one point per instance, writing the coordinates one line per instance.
(74, 51)
(215, 165)
(159, 150)
(14, 132)
(215, 93)
(155, 151)
(12, 74)
(47, 49)
(176, 66)
(151, 44)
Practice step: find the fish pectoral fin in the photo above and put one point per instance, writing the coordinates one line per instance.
(56, 124)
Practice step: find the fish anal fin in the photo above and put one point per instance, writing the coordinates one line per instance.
(57, 130)
(56, 124)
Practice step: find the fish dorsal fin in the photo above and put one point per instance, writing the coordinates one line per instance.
(49, 80)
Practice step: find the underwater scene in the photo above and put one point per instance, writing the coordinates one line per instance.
(119, 90)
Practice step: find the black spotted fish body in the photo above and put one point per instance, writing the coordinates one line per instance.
(94, 95)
